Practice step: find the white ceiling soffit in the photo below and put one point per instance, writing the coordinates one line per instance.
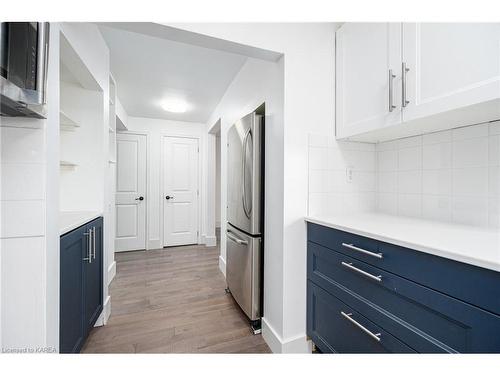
(148, 69)
(183, 36)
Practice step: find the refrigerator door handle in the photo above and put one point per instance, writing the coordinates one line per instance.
(237, 240)
(247, 211)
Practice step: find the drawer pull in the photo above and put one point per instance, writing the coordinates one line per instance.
(352, 247)
(364, 273)
(375, 336)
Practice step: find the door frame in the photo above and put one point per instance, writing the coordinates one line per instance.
(162, 184)
(148, 179)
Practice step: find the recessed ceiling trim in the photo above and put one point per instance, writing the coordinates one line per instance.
(189, 37)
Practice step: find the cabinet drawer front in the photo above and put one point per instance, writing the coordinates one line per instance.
(337, 327)
(426, 320)
(465, 282)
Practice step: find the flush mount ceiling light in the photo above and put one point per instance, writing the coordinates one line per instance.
(174, 105)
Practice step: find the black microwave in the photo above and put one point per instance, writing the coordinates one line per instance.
(24, 48)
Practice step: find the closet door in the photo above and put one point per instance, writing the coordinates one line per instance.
(365, 55)
(451, 65)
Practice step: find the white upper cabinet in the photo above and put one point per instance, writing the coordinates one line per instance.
(452, 65)
(366, 53)
(447, 75)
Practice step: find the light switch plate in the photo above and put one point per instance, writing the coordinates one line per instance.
(348, 174)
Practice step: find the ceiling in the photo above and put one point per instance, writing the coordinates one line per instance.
(149, 69)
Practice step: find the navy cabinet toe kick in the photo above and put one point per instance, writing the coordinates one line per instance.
(367, 298)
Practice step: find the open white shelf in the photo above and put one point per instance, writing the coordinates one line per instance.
(67, 164)
(66, 123)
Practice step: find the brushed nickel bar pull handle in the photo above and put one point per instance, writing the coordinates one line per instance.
(355, 248)
(375, 336)
(404, 70)
(245, 143)
(237, 240)
(89, 246)
(391, 90)
(93, 242)
(364, 273)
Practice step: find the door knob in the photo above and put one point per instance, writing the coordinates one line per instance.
(139, 199)
(169, 197)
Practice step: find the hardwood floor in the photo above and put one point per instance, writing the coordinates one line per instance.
(172, 300)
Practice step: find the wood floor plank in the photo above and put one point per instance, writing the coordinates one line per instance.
(172, 300)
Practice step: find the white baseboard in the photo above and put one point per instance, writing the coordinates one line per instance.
(154, 244)
(210, 241)
(111, 272)
(106, 312)
(222, 265)
(298, 344)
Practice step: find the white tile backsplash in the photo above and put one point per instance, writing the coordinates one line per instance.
(452, 175)
(436, 207)
(387, 203)
(473, 131)
(410, 205)
(438, 137)
(470, 152)
(494, 150)
(387, 160)
(410, 182)
(330, 192)
(410, 158)
(387, 182)
(436, 156)
(470, 210)
(470, 181)
(437, 181)
(459, 169)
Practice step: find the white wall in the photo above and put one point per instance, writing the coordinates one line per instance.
(217, 181)
(451, 176)
(155, 130)
(309, 81)
(258, 82)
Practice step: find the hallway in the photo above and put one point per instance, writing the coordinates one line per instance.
(172, 301)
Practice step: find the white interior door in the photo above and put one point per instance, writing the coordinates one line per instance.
(130, 192)
(180, 191)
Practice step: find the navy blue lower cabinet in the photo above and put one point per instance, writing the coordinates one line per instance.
(414, 316)
(337, 328)
(81, 284)
(93, 275)
(71, 327)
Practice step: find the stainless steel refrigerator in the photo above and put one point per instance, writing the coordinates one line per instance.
(245, 198)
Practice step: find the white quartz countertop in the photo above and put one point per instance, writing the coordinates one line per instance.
(69, 220)
(467, 244)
